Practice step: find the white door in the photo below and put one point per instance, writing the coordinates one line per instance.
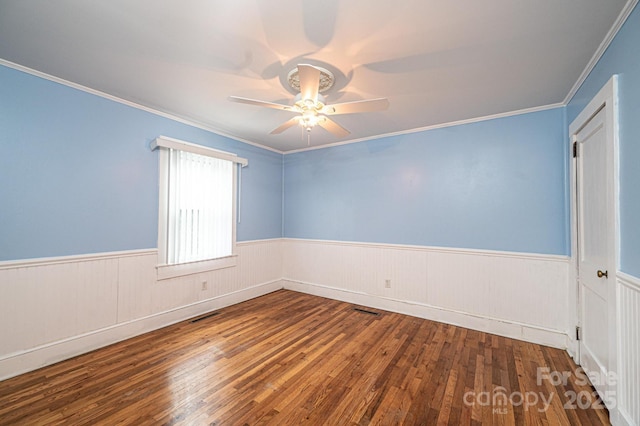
(596, 266)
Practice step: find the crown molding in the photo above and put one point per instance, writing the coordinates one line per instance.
(613, 31)
(621, 19)
(433, 127)
(183, 120)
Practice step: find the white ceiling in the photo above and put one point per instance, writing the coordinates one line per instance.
(436, 61)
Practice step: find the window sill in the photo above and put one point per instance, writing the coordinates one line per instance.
(172, 271)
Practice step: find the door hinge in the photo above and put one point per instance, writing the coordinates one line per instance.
(575, 149)
(578, 333)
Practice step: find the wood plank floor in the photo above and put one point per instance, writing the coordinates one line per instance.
(291, 358)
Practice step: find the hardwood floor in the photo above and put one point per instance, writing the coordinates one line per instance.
(291, 358)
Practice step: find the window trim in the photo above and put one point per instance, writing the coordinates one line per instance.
(164, 270)
(165, 142)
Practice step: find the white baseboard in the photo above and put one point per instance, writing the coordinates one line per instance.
(499, 327)
(17, 363)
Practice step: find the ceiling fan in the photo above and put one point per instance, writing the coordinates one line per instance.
(310, 105)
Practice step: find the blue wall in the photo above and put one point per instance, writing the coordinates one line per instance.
(499, 184)
(623, 58)
(77, 175)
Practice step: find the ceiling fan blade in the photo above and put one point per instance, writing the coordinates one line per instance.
(309, 81)
(261, 103)
(284, 126)
(333, 127)
(368, 105)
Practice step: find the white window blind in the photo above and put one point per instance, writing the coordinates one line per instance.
(200, 207)
(197, 208)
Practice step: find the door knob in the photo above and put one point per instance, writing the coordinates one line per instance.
(603, 274)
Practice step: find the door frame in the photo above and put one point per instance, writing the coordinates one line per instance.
(607, 98)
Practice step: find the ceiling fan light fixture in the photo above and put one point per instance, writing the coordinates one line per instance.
(309, 119)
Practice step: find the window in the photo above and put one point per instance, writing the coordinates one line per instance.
(199, 207)
(196, 229)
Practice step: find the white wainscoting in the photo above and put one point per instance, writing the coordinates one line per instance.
(628, 391)
(55, 308)
(523, 296)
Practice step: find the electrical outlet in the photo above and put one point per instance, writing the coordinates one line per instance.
(204, 285)
(387, 283)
